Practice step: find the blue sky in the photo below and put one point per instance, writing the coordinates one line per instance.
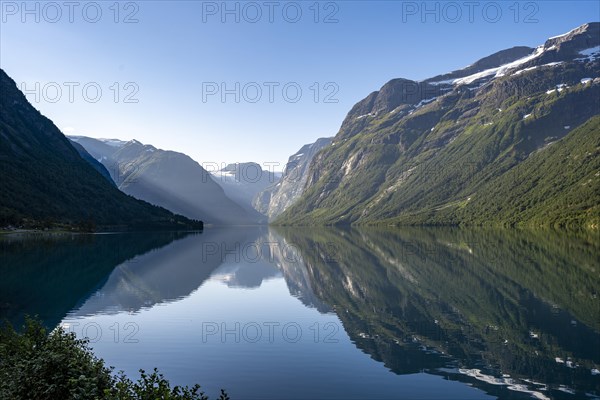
(175, 58)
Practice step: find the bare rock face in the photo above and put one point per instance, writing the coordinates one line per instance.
(277, 198)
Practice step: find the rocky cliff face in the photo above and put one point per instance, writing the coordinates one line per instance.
(278, 197)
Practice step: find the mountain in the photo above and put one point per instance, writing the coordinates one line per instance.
(243, 181)
(506, 141)
(46, 181)
(168, 179)
(278, 197)
(98, 166)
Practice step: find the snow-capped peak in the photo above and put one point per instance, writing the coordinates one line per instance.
(551, 53)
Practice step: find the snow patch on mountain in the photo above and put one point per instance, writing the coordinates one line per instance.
(590, 54)
(113, 142)
(552, 64)
(446, 82)
(499, 71)
(590, 51)
(519, 72)
(425, 101)
(561, 86)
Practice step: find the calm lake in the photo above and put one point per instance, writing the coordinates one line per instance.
(282, 313)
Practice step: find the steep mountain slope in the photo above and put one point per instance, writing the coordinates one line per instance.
(97, 165)
(277, 198)
(424, 152)
(168, 179)
(557, 185)
(243, 181)
(45, 179)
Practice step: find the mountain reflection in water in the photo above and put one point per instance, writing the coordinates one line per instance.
(512, 313)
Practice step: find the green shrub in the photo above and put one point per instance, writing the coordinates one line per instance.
(35, 364)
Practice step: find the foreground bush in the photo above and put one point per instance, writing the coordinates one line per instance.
(35, 364)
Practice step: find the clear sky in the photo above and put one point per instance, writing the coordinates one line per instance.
(185, 62)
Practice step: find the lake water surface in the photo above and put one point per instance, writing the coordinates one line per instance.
(276, 313)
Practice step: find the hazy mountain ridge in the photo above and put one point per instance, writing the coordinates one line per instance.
(420, 152)
(170, 179)
(242, 182)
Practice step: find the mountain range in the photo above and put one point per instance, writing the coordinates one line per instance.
(168, 179)
(46, 182)
(512, 139)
